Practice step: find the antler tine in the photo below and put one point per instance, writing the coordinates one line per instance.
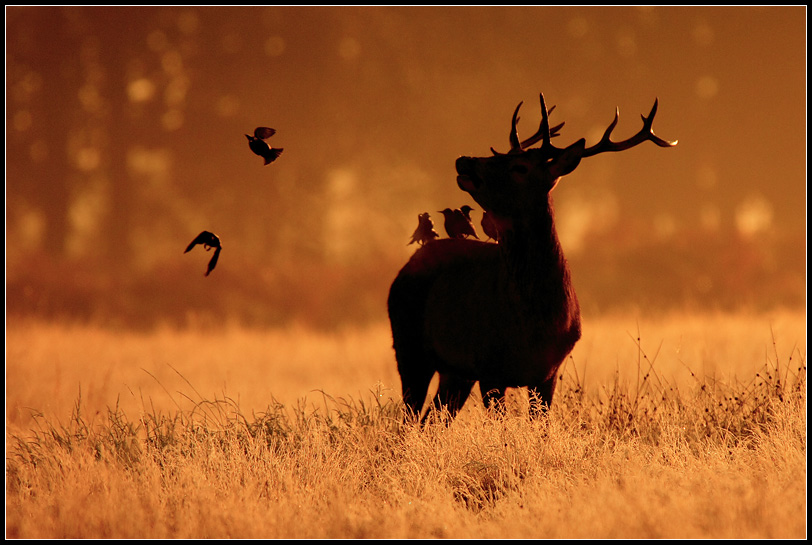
(515, 145)
(554, 130)
(544, 127)
(646, 133)
(536, 137)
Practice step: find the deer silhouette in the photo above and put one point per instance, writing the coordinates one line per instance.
(505, 315)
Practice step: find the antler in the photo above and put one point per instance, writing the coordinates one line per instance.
(646, 133)
(515, 145)
(544, 127)
(543, 133)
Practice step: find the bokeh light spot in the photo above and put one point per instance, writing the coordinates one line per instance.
(188, 22)
(31, 228)
(228, 106)
(754, 215)
(86, 211)
(274, 46)
(172, 120)
(175, 93)
(665, 225)
(157, 41)
(626, 44)
(141, 90)
(88, 159)
(89, 98)
(38, 151)
(22, 120)
(28, 85)
(584, 215)
(148, 161)
(578, 27)
(706, 177)
(172, 62)
(344, 220)
(707, 87)
(231, 43)
(703, 34)
(710, 217)
(349, 49)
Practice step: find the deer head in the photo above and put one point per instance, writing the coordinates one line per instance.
(508, 184)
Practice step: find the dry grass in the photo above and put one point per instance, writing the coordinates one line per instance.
(680, 427)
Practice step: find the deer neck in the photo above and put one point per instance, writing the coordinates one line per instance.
(535, 262)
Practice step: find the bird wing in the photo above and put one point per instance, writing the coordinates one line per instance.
(199, 239)
(213, 260)
(470, 229)
(264, 132)
(271, 155)
(205, 237)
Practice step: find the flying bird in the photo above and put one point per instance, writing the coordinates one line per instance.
(209, 240)
(260, 147)
(425, 230)
(457, 225)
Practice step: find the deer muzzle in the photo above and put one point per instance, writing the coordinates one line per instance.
(467, 178)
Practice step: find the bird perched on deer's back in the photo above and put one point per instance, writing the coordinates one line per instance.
(425, 230)
(260, 147)
(489, 227)
(466, 211)
(457, 225)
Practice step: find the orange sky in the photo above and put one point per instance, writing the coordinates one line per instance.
(374, 104)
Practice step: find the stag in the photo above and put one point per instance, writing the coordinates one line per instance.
(504, 315)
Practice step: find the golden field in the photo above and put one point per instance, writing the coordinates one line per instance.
(676, 426)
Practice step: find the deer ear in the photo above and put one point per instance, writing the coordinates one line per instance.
(568, 160)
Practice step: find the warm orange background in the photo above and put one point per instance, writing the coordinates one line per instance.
(124, 139)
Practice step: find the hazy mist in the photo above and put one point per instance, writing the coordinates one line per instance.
(125, 138)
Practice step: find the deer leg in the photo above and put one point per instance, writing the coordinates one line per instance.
(452, 393)
(492, 396)
(415, 386)
(541, 396)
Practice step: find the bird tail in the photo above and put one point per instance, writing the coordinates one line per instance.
(271, 156)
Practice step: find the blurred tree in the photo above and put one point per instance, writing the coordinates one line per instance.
(42, 100)
(124, 133)
(122, 31)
